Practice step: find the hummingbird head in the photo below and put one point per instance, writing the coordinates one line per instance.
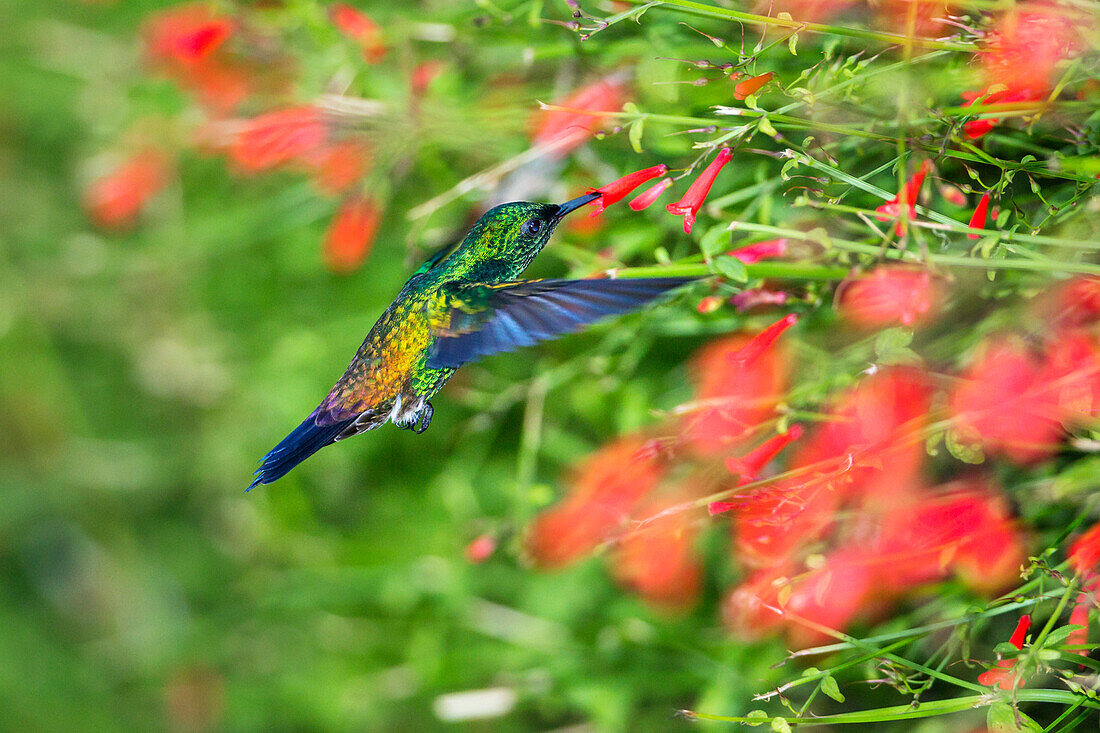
(506, 238)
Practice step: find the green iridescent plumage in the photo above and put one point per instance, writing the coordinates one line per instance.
(458, 307)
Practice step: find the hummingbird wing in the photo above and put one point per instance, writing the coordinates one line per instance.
(488, 319)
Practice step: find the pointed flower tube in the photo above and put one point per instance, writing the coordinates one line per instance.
(651, 194)
(751, 85)
(977, 221)
(748, 467)
(116, 200)
(617, 190)
(760, 343)
(906, 197)
(278, 137)
(358, 27)
(351, 234)
(1001, 675)
(688, 206)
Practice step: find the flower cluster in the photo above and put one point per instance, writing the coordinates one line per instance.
(852, 523)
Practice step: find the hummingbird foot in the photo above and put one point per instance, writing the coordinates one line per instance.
(425, 418)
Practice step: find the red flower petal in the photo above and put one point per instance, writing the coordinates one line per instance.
(351, 234)
(651, 194)
(977, 221)
(751, 85)
(277, 138)
(890, 295)
(760, 251)
(617, 190)
(115, 200)
(688, 206)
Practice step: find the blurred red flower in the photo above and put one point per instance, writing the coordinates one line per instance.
(584, 112)
(618, 190)
(1084, 553)
(337, 167)
(607, 488)
(657, 559)
(1003, 404)
(351, 234)
(890, 295)
(1071, 372)
(115, 200)
(751, 610)
(277, 138)
(758, 297)
(480, 549)
(1072, 303)
(751, 253)
(186, 34)
(688, 206)
(1001, 676)
(735, 393)
(358, 27)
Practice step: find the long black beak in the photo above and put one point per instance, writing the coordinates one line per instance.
(576, 203)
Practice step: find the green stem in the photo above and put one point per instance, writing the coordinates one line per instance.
(757, 270)
(710, 11)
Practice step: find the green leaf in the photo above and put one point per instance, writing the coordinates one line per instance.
(830, 688)
(780, 725)
(1002, 718)
(766, 127)
(1060, 634)
(756, 717)
(1006, 649)
(731, 268)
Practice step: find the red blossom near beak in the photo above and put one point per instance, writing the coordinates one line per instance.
(608, 487)
(977, 221)
(651, 194)
(617, 190)
(906, 199)
(751, 85)
(1003, 404)
(351, 234)
(117, 199)
(1001, 676)
(358, 27)
(186, 34)
(277, 138)
(890, 296)
(480, 549)
(584, 112)
(688, 206)
(760, 251)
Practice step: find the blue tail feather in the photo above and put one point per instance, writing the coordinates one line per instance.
(303, 441)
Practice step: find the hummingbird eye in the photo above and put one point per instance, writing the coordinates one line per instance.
(531, 227)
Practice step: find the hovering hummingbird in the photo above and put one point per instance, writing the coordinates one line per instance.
(457, 307)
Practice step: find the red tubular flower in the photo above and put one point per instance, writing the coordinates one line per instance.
(952, 194)
(607, 488)
(763, 341)
(1001, 675)
(115, 200)
(657, 559)
(358, 27)
(760, 251)
(747, 468)
(688, 206)
(584, 112)
(748, 609)
(834, 595)
(186, 34)
(1002, 404)
(751, 85)
(351, 234)
(424, 74)
(617, 190)
(277, 138)
(1079, 616)
(977, 221)
(890, 295)
(906, 199)
(651, 194)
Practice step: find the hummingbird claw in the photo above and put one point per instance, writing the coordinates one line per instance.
(425, 418)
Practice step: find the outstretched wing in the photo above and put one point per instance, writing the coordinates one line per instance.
(488, 319)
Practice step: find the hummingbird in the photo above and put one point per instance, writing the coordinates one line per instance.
(462, 304)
